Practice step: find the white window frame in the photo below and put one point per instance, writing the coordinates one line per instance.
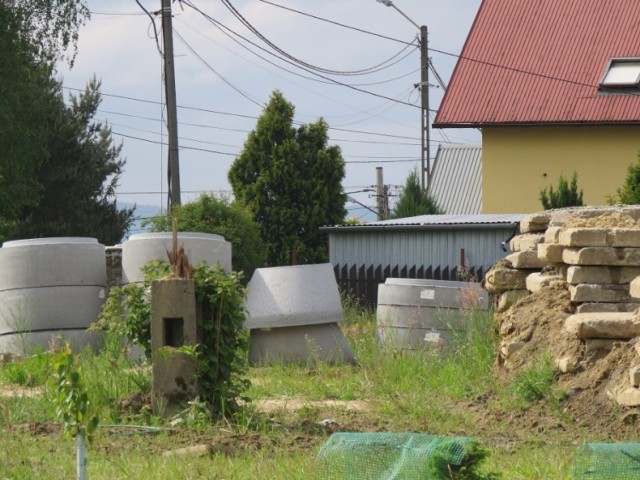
(615, 75)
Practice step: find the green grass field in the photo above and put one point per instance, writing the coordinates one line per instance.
(294, 410)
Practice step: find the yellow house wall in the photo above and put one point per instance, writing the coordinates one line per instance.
(517, 162)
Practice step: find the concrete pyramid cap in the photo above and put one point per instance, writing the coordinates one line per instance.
(293, 296)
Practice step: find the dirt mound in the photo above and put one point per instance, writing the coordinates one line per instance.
(533, 328)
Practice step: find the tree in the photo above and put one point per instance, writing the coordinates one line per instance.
(629, 193)
(414, 200)
(566, 195)
(50, 26)
(210, 214)
(77, 177)
(27, 102)
(291, 181)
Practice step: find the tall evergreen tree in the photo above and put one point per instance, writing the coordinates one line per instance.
(78, 177)
(291, 180)
(414, 201)
(27, 103)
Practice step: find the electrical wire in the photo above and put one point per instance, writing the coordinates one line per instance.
(333, 81)
(333, 22)
(237, 89)
(256, 32)
(155, 30)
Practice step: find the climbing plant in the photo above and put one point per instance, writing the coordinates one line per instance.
(221, 356)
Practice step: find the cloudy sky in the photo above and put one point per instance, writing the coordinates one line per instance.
(225, 74)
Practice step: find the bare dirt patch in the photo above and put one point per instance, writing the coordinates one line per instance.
(270, 405)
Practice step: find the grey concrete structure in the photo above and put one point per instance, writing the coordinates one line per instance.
(415, 314)
(293, 314)
(140, 249)
(174, 323)
(50, 287)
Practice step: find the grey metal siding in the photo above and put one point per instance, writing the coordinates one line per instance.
(418, 247)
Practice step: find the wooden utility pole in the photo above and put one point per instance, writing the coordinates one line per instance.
(382, 196)
(173, 165)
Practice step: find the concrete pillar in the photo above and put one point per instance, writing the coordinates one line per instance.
(174, 323)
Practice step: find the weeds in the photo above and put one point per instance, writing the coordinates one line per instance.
(538, 382)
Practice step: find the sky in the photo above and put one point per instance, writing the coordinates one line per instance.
(225, 75)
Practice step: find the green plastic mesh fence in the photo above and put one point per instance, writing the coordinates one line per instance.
(608, 461)
(387, 456)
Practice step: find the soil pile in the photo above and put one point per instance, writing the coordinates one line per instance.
(592, 373)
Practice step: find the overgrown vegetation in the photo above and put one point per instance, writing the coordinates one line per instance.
(442, 393)
(221, 354)
(565, 195)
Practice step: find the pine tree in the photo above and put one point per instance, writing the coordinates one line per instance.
(414, 200)
(566, 195)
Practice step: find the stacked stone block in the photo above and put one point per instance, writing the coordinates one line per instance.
(595, 254)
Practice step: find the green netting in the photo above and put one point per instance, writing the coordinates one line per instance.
(608, 461)
(387, 456)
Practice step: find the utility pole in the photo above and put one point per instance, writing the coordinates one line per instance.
(425, 156)
(382, 196)
(173, 165)
(424, 89)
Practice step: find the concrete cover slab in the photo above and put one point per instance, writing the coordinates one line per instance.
(293, 296)
(607, 307)
(527, 241)
(587, 292)
(537, 281)
(535, 222)
(601, 274)
(552, 234)
(622, 257)
(583, 237)
(300, 344)
(550, 253)
(503, 279)
(526, 259)
(603, 325)
(624, 237)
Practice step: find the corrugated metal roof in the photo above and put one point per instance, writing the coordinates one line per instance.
(531, 62)
(438, 221)
(456, 183)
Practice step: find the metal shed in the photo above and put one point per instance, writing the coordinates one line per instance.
(439, 247)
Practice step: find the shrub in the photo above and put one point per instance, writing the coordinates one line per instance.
(566, 195)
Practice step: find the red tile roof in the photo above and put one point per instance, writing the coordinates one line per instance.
(541, 61)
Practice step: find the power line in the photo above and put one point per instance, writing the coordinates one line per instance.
(336, 82)
(335, 23)
(237, 89)
(284, 53)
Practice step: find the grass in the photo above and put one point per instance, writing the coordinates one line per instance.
(427, 392)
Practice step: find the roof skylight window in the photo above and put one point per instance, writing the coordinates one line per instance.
(622, 73)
